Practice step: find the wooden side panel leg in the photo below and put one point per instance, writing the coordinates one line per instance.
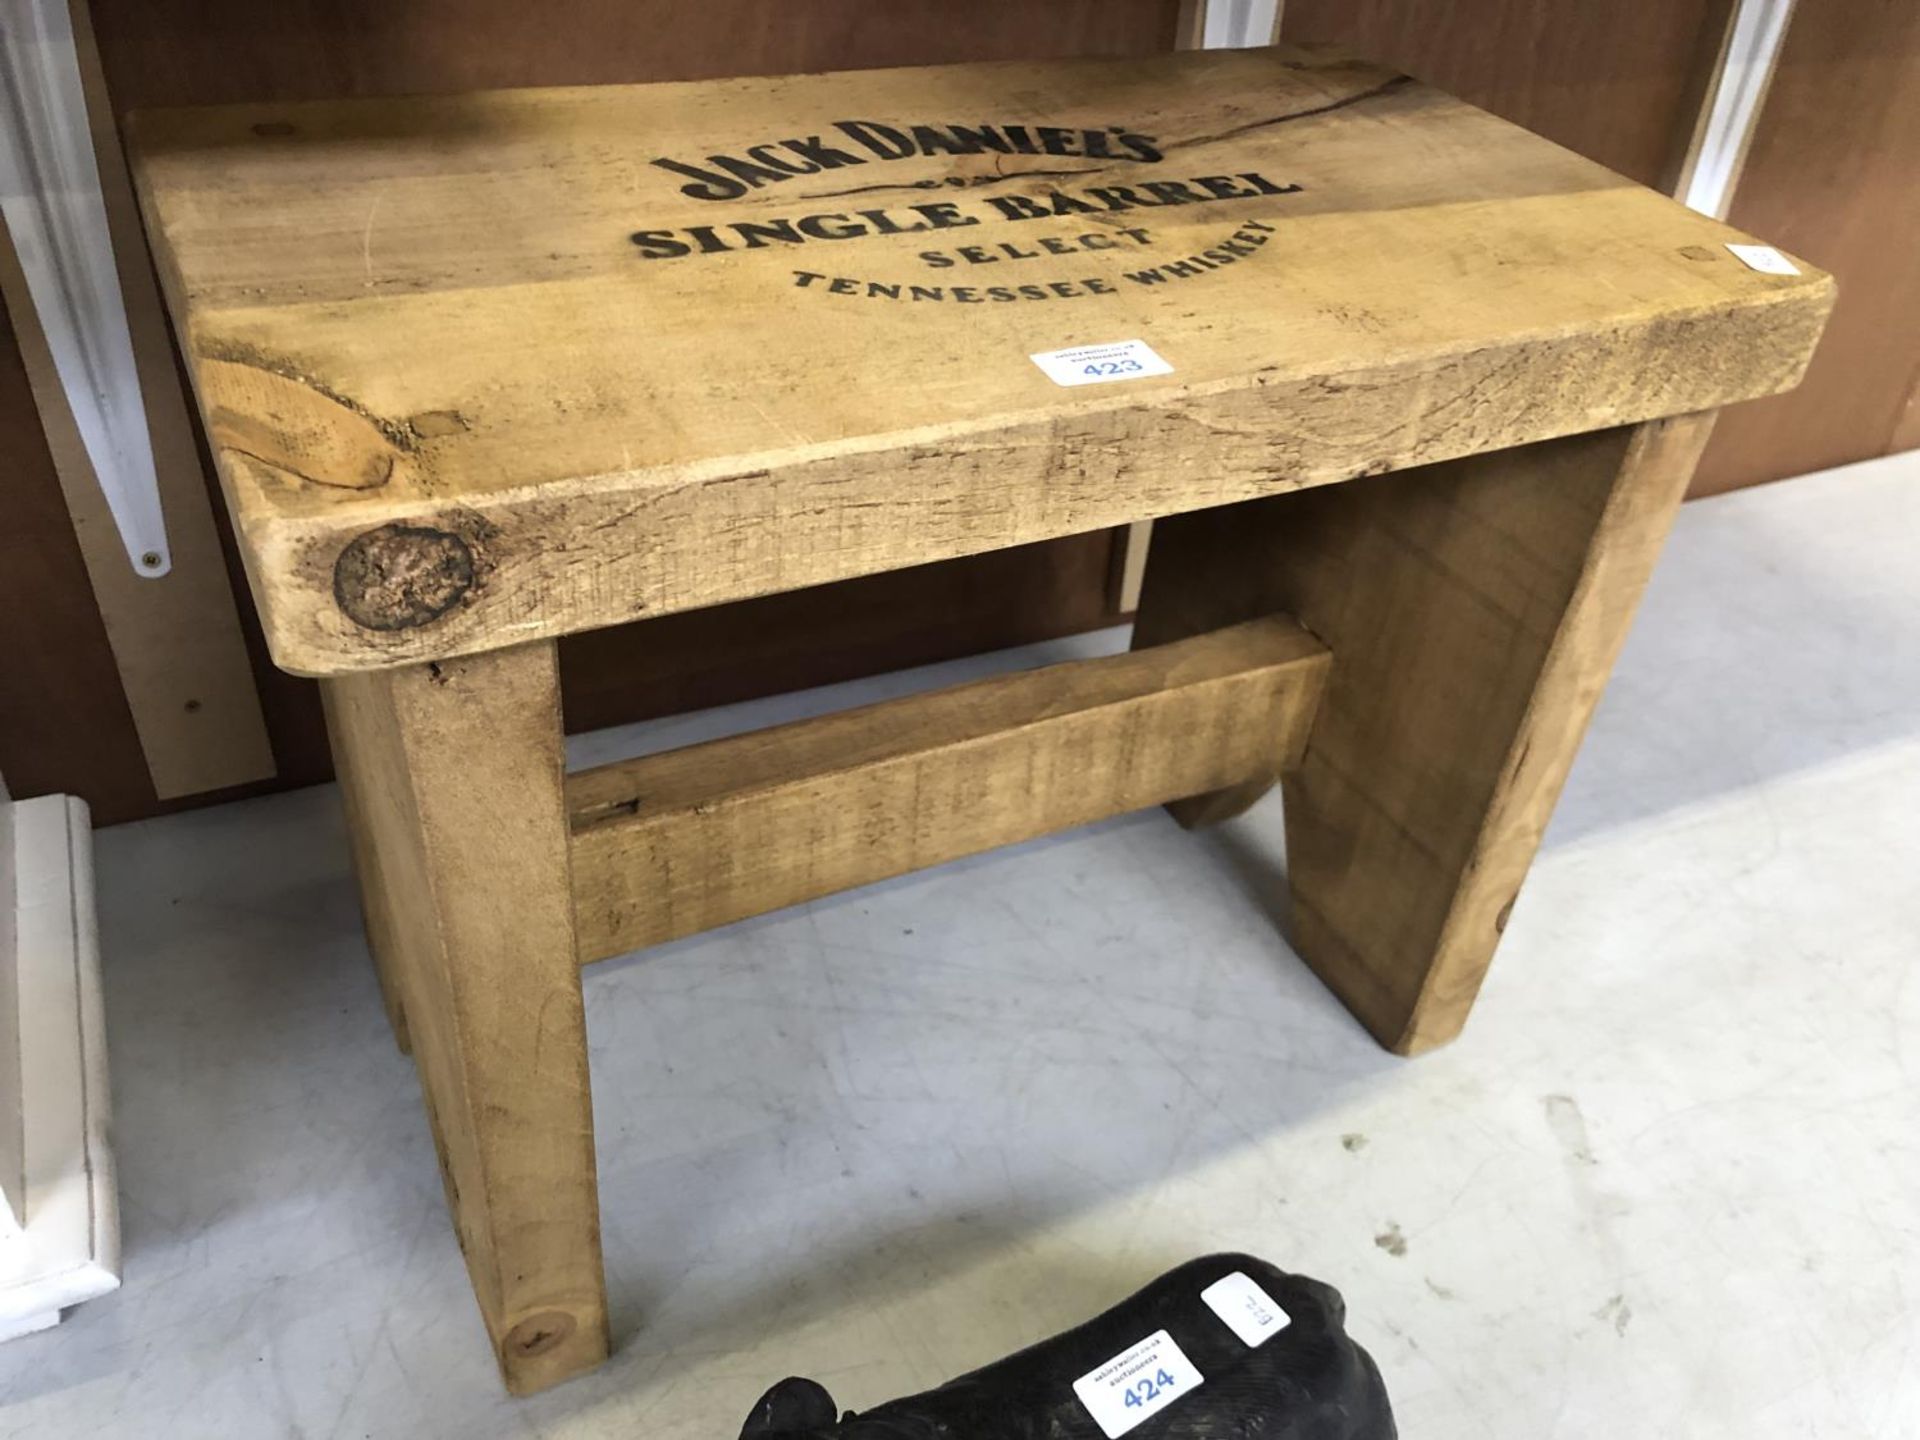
(374, 913)
(458, 773)
(1474, 610)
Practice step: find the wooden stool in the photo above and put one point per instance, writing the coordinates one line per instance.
(480, 372)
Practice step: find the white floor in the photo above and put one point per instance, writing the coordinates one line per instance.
(1668, 1184)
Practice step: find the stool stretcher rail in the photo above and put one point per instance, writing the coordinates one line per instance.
(673, 844)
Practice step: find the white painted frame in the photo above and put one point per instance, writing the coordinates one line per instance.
(60, 1225)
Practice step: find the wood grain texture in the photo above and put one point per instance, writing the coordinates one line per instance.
(1622, 84)
(1833, 173)
(361, 804)
(672, 844)
(1474, 610)
(458, 773)
(413, 327)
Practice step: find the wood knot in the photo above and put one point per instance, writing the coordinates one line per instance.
(431, 424)
(537, 1334)
(401, 576)
(1506, 914)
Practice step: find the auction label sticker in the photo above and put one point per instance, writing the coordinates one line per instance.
(1764, 258)
(1098, 364)
(1249, 1311)
(1136, 1384)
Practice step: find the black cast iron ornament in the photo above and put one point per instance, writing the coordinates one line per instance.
(1224, 1348)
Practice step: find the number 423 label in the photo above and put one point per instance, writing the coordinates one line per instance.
(1136, 1384)
(1100, 364)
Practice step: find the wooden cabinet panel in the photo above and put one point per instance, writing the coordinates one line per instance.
(171, 52)
(1833, 174)
(64, 724)
(1622, 84)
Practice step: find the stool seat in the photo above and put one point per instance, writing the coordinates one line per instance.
(489, 368)
(481, 372)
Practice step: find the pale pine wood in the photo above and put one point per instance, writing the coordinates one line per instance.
(676, 843)
(457, 772)
(1474, 610)
(454, 408)
(376, 911)
(1130, 569)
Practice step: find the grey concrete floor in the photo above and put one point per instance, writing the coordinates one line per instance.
(1665, 1184)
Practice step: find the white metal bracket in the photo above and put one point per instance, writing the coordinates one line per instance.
(50, 196)
(1239, 24)
(1759, 28)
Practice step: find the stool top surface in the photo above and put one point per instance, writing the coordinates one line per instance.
(488, 368)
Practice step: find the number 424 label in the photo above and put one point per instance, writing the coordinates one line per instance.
(1137, 1383)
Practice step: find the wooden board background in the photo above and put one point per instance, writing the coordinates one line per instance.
(175, 52)
(1834, 174)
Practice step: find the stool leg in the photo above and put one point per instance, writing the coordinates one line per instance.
(374, 915)
(1474, 609)
(459, 774)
